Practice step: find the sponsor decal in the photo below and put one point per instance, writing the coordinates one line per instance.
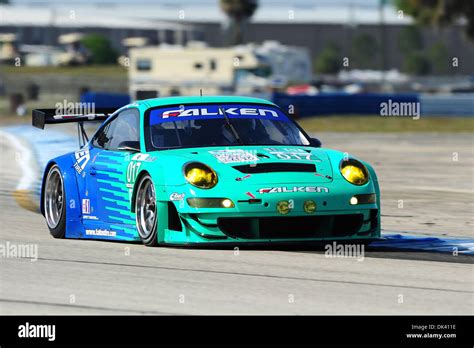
(215, 111)
(82, 158)
(251, 195)
(292, 154)
(86, 206)
(243, 177)
(133, 168)
(323, 176)
(132, 172)
(100, 232)
(176, 196)
(284, 189)
(140, 157)
(234, 156)
(208, 111)
(90, 217)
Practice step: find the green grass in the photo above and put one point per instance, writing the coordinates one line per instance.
(353, 123)
(96, 70)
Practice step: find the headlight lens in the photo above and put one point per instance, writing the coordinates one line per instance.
(210, 202)
(200, 175)
(368, 198)
(354, 172)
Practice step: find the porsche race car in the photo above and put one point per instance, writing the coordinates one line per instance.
(205, 170)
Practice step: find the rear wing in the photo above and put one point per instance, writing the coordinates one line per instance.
(41, 117)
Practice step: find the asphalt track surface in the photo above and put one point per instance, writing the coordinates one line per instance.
(93, 277)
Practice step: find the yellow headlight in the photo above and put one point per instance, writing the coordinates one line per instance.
(354, 172)
(200, 175)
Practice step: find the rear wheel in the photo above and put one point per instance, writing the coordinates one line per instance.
(146, 211)
(54, 198)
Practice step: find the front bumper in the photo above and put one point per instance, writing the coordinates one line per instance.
(254, 223)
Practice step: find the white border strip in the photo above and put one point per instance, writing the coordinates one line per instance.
(24, 160)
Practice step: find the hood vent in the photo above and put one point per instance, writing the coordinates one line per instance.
(276, 167)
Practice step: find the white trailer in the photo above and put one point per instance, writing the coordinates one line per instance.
(172, 70)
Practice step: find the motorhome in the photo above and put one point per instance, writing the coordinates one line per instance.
(8, 48)
(174, 70)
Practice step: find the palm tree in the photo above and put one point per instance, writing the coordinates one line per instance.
(440, 12)
(238, 12)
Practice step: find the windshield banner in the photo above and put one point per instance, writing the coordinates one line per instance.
(215, 111)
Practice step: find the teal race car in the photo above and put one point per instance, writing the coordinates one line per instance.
(205, 170)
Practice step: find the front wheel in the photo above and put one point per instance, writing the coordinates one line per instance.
(146, 211)
(54, 198)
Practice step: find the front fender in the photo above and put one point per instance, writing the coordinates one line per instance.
(336, 157)
(163, 171)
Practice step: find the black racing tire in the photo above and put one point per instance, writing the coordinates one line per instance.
(54, 199)
(146, 211)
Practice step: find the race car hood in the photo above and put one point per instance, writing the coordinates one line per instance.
(253, 164)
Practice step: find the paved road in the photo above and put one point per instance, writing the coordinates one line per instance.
(90, 277)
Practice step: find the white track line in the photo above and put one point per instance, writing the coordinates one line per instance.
(24, 157)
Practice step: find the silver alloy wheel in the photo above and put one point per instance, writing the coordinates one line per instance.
(145, 208)
(53, 197)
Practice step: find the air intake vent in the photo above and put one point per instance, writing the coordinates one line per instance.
(276, 167)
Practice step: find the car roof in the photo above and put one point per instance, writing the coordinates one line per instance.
(157, 102)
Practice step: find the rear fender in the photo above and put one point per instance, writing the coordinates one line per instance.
(74, 227)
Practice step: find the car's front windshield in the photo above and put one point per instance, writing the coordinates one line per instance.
(219, 125)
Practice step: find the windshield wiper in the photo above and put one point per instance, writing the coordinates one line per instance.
(231, 126)
(177, 133)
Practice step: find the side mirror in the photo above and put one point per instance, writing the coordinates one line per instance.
(315, 142)
(130, 146)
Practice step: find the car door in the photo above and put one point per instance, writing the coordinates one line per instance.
(109, 196)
